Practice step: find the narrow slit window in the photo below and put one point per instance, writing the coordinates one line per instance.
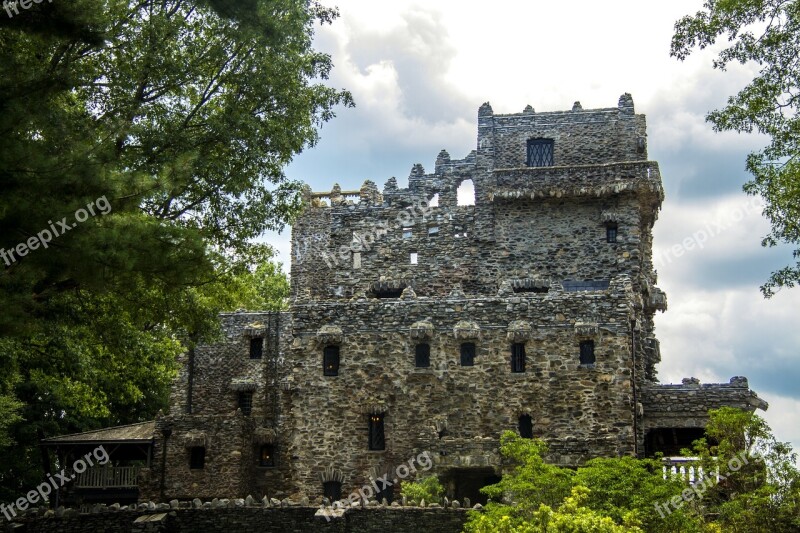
(587, 353)
(377, 438)
(422, 356)
(468, 354)
(414, 258)
(266, 456)
(526, 427)
(245, 402)
(540, 153)
(611, 233)
(518, 357)
(330, 361)
(256, 347)
(197, 458)
(356, 260)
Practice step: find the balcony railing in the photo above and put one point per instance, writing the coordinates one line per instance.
(108, 477)
(686, 469)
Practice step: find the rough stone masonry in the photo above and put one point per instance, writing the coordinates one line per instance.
(420, 325)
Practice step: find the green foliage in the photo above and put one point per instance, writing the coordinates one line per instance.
(428, 488)
(765, 33)
(182, 114)
(760, 491)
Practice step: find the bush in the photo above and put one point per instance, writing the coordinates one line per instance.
(427, 488)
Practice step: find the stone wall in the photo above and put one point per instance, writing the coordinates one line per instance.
(249, 519)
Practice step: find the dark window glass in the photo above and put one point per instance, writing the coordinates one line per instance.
(540, 153)
(587, 353)
(377, 439)
(611, 233)
(332, 490)
(256, 347)
(246, 402)
(518, 357)
(576, 286)
(266, 456)
(422, 357)
(330, 361)
(389, 293)
(525, 427)
(197, 458)
(468, 354)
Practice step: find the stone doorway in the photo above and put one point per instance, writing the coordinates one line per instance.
(463, 483)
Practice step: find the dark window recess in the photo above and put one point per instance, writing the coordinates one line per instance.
(246, 402)
(332, 490)
(587, 353)
(377, 438)
(538, 290)
(611, 233)
(385, 493)
(266, 455)
(197, 458)
(468, 354)
(330, 361)
(518, 357)
(540, 153)
(256, 348)
(389, 293)
(576, 286)
(526, 427)
(422, 357)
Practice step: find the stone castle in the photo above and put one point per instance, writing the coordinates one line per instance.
(417, 324)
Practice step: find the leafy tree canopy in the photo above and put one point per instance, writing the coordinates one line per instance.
(765, 33)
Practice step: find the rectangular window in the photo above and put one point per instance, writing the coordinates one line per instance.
(422, 357)
(356, 260)
(256, 347)
(433, 231)
(377, 439)
(518, 357)
(611, 233)
(414, 257)
(587, 353)
(266, 456)
(246, 402)
(526, 427)
(197, 458)
(468, 354)
(330, 361)
(407, 233)
(540, 153)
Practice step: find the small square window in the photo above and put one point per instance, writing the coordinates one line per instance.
(540, 153)
(433, 231)
(611, 233)
(245, 402)
(422, 356)
(468, 354)
(414, 258)
(518, 357)
(197, 458)
(266, 455)
(330, 361)
(256, 347)
(407, 233)
(332, 490)
(377, 438)
(587, 353)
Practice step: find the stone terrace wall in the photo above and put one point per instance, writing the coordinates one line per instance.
(247, 520)
(687, 405)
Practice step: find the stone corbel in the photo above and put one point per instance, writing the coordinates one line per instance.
(466, 330)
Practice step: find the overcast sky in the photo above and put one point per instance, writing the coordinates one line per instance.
(419, 72)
